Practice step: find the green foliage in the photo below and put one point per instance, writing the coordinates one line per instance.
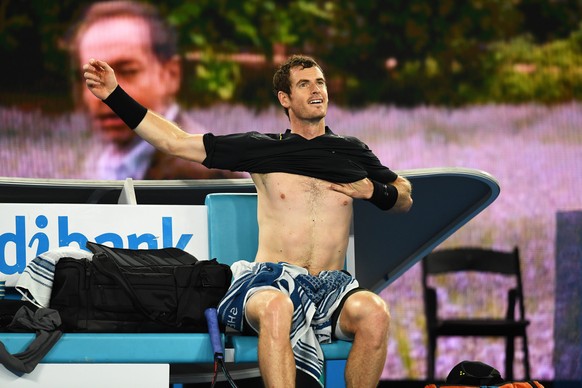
(403, 52)
(215, 29)
(10, 26)
(33, 65)
(526, 72)
(214, 78)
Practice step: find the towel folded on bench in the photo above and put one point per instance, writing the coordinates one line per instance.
(36, 282)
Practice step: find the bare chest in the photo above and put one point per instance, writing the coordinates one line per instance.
(302, 221)
(299, 191)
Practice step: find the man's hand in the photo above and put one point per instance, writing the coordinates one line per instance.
(362, 189)
(100, 78)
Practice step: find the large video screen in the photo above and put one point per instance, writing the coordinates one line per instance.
(51, 128)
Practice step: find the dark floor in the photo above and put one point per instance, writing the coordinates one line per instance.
(247, 376)
(256, 383)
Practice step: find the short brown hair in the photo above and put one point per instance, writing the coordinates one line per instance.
(282, 77)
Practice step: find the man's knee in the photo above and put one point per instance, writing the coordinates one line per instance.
(270, 310)
(365, 312)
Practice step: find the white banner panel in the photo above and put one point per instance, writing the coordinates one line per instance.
(27, 230)
(89, 376)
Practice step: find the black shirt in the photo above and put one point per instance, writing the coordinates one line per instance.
(328, 157)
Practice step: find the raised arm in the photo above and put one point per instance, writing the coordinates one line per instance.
(156, 130)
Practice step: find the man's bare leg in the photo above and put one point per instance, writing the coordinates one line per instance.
(365, 315)
(272, 311)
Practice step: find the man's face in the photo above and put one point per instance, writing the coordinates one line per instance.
(124, 43)
(308, 99)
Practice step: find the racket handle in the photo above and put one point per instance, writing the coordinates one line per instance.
(213, 330)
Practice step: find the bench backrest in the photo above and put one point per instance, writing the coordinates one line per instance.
(233, 232)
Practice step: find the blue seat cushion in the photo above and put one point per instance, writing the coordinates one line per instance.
(245, 349)
(120, 347)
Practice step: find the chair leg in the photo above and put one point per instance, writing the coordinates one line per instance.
(526, 365)
(509, 357)
(430, 357)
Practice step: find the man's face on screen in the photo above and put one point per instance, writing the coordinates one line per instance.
(124, 43)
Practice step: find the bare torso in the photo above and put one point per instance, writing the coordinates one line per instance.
(302, 221)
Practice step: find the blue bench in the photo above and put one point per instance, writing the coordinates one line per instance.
(445, 199)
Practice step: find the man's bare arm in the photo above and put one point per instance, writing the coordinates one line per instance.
(156, 130)
(364, 189)
(404, 201)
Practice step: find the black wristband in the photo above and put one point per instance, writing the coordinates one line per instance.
(128, 109)
(384, 195)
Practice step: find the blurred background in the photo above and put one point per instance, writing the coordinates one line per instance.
(494, 85)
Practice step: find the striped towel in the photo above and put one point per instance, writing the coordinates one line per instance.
(36, 282)
(314, 298)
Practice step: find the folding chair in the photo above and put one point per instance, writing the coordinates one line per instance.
(486, 262)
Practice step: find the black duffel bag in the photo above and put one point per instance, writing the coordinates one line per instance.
(137, 290)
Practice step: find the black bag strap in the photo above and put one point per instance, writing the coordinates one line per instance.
(108, 260)
(109, 266)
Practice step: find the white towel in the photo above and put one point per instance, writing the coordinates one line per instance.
(36, 282)
(314, 298)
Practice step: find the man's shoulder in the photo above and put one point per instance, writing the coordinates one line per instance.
(346, 138)
(250, 136)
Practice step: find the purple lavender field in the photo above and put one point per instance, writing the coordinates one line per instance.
(534, 151)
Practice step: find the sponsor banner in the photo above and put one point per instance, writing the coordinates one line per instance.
(27, 230)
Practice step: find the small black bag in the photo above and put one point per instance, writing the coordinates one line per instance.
(474, 373)
(137, 290)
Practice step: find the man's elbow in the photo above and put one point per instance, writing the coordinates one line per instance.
(403, 204)
(407, 205)
(185, 147)
(172, 148)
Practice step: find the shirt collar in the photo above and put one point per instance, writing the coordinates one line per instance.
(288, 132)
